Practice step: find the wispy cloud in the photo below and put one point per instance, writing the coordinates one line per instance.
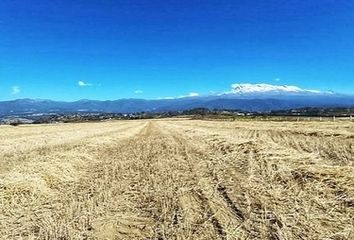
(15, 90)
(84, 84)
(138, 91)
(193, 94)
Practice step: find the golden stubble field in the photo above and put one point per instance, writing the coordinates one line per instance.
(177, 179)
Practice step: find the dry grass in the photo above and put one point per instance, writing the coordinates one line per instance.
(178, 179)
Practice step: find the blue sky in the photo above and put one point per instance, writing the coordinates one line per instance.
(158, 48)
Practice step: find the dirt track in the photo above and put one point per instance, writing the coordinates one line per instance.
(178, 180)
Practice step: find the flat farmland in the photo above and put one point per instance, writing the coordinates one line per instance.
(177, 179)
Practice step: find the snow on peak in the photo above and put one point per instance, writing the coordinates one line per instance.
(247, 88)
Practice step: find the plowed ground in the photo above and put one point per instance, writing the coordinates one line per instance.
(177, 179)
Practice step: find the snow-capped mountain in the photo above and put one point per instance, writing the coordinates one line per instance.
(263, 88)
(249, 97)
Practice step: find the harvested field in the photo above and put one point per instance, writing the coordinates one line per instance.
(177, 179)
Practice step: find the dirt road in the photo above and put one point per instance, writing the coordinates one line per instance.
(177, 179)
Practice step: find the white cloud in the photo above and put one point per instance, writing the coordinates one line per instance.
(15, 90)
(84, 84)
(193, 94)
(138, 91)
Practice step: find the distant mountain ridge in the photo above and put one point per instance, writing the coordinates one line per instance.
(247, 97)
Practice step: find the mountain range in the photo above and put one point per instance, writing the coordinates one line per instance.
(246, 97)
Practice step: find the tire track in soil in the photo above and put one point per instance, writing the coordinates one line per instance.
(214, 153)
(258, 222)
(220, 208)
